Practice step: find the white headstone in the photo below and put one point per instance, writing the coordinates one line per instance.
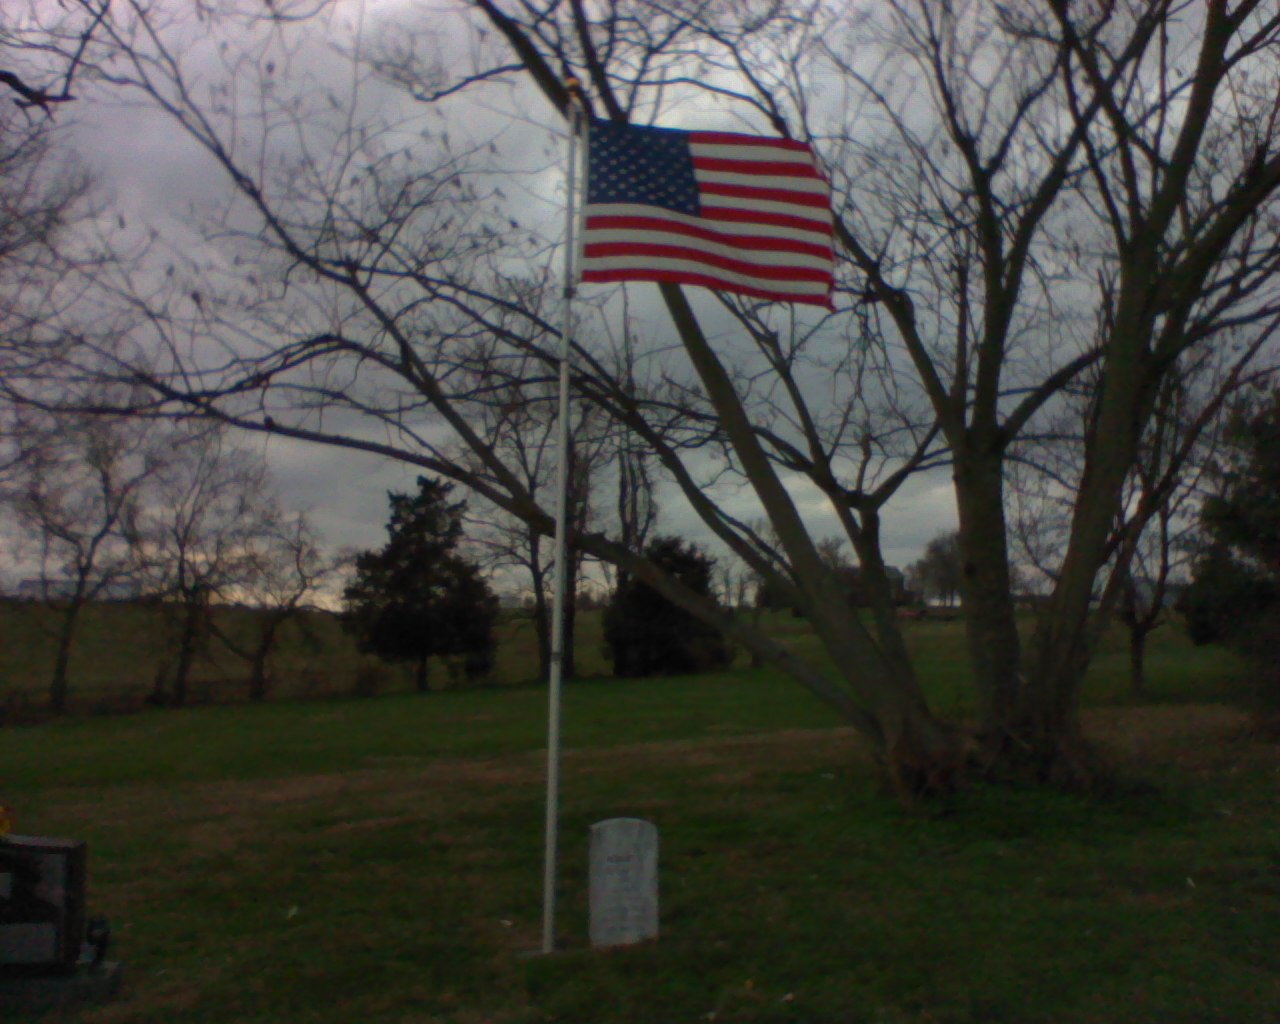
(624, 881)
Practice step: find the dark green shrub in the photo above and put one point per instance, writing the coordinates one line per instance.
(646, 634)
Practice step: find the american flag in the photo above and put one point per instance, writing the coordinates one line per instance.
(739, 213)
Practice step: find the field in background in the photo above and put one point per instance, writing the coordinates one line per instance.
(121, 647)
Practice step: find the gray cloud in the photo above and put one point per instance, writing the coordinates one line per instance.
(159, 176)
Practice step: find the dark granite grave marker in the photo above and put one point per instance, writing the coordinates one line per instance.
(45, 961)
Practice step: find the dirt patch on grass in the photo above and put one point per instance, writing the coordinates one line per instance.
(1143, 728)
(788, 749)
(1132, 734)
(1194, 737)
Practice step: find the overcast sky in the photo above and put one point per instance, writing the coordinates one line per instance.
(156, 176)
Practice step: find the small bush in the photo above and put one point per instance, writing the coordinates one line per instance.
(1225, 599)
(647, 635)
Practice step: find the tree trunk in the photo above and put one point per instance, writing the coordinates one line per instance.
(262, 654)
(60, 687)
(1064, 641)
(191, 620)
(541, 621)
(258, 672)
(538, 574)
(569, 663)
(420, 675)
(757, 659)
(1044, 737)
(991, 626)
(1138, 659)
(918, 755)
(542, 627)
(879, 592)
(158, 696)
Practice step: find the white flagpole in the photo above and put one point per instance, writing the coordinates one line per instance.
(561, 569)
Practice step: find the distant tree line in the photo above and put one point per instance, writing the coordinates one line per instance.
(421, 597)
(174, 514)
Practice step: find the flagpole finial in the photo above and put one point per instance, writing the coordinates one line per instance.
(574, 88)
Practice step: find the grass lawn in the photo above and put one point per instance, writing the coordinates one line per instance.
(379, 861)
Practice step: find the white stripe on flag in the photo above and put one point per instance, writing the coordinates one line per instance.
(758, 256)
(818, 232)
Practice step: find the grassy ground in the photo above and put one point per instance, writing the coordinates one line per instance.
(380, 861)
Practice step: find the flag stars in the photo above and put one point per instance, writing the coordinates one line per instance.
(647, 166)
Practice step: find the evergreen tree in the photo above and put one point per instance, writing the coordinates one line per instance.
(1246, 512)
(648, 635)
(417, 596)
(1234, 596)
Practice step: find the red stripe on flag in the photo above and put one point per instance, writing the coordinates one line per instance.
(605, 250)
(773, 195)
(738, 139)
(769, 243)
(763, 168)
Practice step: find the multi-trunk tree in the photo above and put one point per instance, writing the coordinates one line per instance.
(522, 418)
(1117, 160)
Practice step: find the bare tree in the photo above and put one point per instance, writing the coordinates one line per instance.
(1146, 547)
(36, 75)
(209, 512)
(284, 564)
(1129, 144)
(522, 420)
(76, 497)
